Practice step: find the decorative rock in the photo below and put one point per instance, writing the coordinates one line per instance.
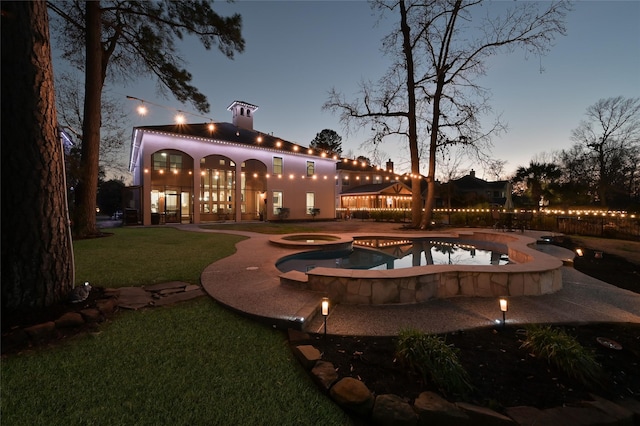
(134, 298)
(622, 415)
(308, 355)
(168, 291)
(392, 410)
(432, 409)
(111, 292)
(325, 374)
(70, 319)
(297, 336)
(353, 395)
(106, 306)
(191, 287)
(164, 286)
(91, 315)
(524, 415)
(178, 297)
(481, 416)
(41, 331)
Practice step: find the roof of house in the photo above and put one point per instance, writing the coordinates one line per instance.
(378, 188)
(472, 183)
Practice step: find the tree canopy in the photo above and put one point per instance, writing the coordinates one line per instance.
(608, 142)
(430, 95)
(328, 140)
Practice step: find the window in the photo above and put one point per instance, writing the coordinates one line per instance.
(277, 165)
(311, 202)
(159, 161)
(277, 201)
(311, 168)
(175, 162)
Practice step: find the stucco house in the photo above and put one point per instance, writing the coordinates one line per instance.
(470, 190)
(194, 173)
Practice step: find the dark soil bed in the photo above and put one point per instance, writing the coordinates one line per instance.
(502, 374)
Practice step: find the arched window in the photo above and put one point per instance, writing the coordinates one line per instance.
(241, 111)
(248, 112)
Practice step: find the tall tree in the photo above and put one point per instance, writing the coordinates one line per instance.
(610, 137)
(539, 179)
(328, 140)
(37, 270)
(430, 91)
(125, 39)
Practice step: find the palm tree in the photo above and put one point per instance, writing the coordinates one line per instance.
(539, 179)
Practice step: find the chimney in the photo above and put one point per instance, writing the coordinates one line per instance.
(242, 113)
(390, 166)
(472, 173)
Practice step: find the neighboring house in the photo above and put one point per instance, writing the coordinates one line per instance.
(470, 191)
(194, 173)
(362, 186)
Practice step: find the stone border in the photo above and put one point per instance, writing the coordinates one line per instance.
(113, 299)
(533, 274)
(429, 408)
(306, 241)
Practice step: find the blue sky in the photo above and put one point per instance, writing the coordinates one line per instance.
(296, 51)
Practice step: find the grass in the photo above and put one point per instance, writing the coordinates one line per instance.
(194, 363)
(564, 352)
(431, 357)
(143, 256)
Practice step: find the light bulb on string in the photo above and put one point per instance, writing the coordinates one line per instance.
(180, 118)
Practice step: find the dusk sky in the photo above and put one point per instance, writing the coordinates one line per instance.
(296, 51)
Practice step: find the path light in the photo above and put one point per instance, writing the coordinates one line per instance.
(579, 252)
(325, 313)
(504, 307)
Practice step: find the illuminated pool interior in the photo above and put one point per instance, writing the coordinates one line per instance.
(395, 253)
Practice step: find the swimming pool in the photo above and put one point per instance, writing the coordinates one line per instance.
(395, 253)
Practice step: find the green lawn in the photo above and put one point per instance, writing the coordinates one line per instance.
(142, 256)
(190, 364)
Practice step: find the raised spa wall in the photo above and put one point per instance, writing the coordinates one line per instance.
(534, 273)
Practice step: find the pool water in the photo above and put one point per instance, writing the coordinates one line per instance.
(380, 254)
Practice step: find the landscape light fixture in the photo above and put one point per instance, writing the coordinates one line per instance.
(504, 307)
(325, 313)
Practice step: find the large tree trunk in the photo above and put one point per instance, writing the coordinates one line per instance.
(416, 194)
(86, 192)
(37, 267)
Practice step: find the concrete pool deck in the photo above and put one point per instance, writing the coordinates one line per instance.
(248, 282)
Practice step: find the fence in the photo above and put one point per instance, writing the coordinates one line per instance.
(594, 223)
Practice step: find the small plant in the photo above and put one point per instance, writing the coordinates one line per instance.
(564, 352)
(434, 360)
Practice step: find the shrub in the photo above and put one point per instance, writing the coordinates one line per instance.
(564, 352)
(434, 360)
